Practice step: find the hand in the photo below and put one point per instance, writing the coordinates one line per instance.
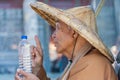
(26, 76)
(37, 56)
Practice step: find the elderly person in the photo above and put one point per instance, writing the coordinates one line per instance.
(76, 37)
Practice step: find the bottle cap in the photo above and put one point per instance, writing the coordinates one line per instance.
(23, 37)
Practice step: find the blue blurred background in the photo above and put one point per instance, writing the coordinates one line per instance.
(17, 18)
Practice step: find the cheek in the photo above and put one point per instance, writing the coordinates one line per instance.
(63, 39)
(66, 41)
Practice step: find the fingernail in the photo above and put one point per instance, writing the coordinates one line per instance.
(18, 70)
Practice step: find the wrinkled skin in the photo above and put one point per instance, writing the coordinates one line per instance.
(64, 39)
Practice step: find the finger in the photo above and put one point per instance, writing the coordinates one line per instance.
(37, 52)
(38, 45)
(37, 42)
(17, 76)
(25, 74)
(31, 48)
(33, 64)
(32, 51)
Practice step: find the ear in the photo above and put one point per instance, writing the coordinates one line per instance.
(72, 32)
(75, 35)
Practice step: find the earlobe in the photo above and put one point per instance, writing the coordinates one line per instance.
(75, 35)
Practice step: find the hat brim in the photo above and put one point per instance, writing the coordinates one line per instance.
(52, 14)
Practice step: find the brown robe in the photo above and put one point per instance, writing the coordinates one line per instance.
(93, 66)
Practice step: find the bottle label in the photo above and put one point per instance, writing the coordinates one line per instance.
(27, 59)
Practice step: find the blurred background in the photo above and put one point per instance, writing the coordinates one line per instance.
(17, 18)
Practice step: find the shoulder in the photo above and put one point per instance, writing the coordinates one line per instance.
(93, 61)
(93, 64)
(94, 58)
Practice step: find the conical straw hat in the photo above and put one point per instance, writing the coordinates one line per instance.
(81, 19)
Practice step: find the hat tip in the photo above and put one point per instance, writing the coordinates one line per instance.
(33, 4)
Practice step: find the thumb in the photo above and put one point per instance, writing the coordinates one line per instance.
(25, 74)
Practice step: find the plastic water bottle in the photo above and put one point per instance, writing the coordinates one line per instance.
(25, 62)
